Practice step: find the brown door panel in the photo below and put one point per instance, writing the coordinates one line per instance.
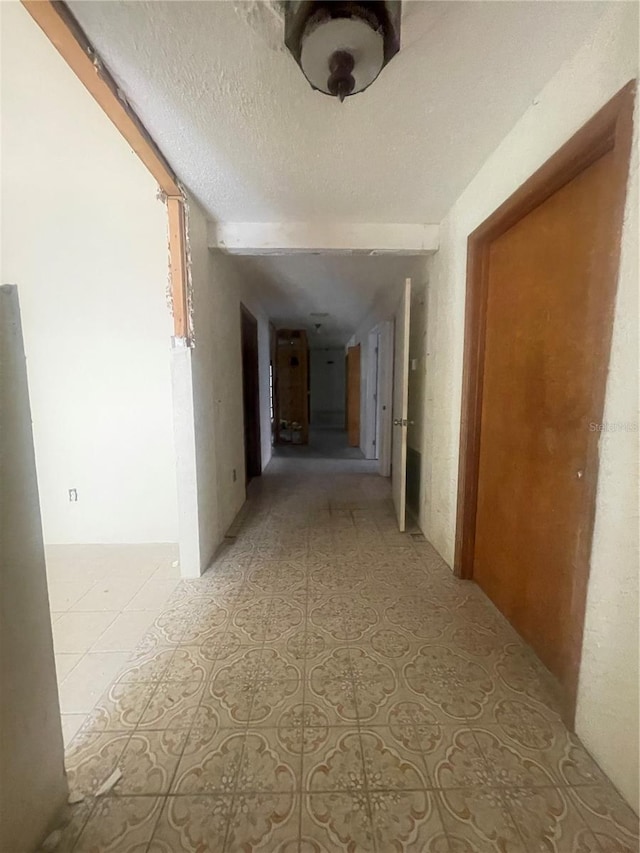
(543, 347)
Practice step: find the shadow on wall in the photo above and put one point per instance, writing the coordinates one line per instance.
(327, 378)
(32, 779)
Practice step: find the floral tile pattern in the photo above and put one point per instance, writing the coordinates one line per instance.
(327, 686)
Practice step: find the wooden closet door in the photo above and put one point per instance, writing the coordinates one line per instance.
(546, 350)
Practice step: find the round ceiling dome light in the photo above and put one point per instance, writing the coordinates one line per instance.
(341, 47)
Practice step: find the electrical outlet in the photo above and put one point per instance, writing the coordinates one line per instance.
(235, 476)
(73, 495)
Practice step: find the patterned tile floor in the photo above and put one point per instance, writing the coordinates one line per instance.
(329, 686)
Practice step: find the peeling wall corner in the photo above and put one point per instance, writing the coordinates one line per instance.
(187, 340)
(168, 291)
(161, 196)
(189, 278)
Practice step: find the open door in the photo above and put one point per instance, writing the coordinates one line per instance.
(400, 405)
(353, 395)
(250, 394)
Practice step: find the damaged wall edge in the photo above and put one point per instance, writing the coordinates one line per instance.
(67, 36)
(181, 290)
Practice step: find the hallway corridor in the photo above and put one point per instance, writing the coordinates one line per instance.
(329, 686)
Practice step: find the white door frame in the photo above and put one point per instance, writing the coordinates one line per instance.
(385, 395)
(370, 443)
(400, 405)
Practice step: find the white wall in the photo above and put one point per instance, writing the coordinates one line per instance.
(210, 377)
(327, 375)
(84, 238)
(607, 715)
(382, 311)
(32, 781)
(417, 364)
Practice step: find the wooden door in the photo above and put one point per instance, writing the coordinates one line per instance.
(400, 406)
(292, 383)
(251, 394)
(542, 280)
(353, 396)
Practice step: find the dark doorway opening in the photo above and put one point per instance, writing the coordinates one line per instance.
(250, 394)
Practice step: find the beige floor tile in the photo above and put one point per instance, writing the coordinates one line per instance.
(120, 825)
(406, 820)
(153, 594)
(88, 680)
(537, 754)
(337, 765)
(168, 571)
(212, 768)
(77, 632)
(264, 821)
(388, 764)
(65, 662)
(110, 593)
(64, 594)
(325, 686)
(91, 758)
(149, 762)
(192, 824)
(612, 821)
(173, 705)
(547, 819)
(125, 632)
(477, 820)
(120, 708)
(147, 666)
(71, 724)
(337, 821)
(78, 816)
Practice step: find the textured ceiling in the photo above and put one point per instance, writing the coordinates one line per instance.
(247, 135)
(290, 287)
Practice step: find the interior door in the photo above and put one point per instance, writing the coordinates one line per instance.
(400, 405)
(548, 312)
(251, 395)
(353, 396)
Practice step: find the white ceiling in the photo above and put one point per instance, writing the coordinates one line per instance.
(291, 287)
(234, 115)
(253, 142)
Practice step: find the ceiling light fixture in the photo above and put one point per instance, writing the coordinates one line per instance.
(340, 46)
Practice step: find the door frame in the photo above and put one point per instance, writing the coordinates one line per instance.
(255, 437)
(610, 129)
(371, 395)
(353, 395)
(385, 395)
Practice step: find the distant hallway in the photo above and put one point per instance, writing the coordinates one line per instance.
(328, 685)
(324, 443)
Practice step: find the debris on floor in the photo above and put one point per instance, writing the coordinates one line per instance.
(51, 841)
(109, 782)
(75, 797)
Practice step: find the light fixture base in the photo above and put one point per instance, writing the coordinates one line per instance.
(341, 47)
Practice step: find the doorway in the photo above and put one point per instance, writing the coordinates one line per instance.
(250, 394)
(540, 297)
(353, 395)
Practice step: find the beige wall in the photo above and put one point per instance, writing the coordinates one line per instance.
(607, 716)
(33, 786)
(85, 239)
(417, 363)
(209, 378)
